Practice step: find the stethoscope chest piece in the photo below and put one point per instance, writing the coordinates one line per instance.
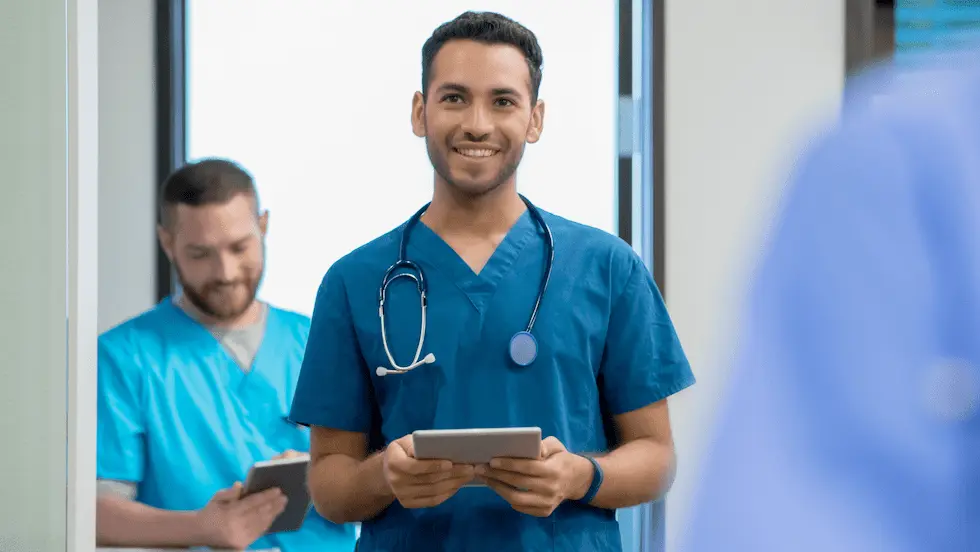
(523, 348)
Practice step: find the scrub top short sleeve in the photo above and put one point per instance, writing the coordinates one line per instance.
(120, 419)
(643, 361)
(334, 389)
(179, 417)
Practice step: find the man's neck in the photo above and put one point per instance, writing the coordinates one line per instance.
(489, 214)
(251, 315)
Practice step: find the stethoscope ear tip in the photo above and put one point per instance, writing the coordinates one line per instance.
(381, 371)
(429, 358)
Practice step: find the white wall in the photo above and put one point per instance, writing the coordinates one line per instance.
(33, 336)
(48, 129)
(744, 82)
(127, 149)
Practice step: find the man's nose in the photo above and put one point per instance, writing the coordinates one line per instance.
(477, 125)
(226, 268)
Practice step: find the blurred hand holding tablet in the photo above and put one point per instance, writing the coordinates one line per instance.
(288, 474)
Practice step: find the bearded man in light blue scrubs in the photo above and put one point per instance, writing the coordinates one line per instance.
(195, 390)
(608, 356)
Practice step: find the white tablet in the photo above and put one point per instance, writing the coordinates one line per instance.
(477, 446)
(289, 476)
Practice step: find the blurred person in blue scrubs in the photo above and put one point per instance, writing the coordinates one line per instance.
(851, 422)
(607, 355)
(196, 390)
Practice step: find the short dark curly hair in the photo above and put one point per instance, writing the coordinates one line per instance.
(490, 28)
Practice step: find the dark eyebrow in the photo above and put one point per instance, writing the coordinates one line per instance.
(208, 248)
(455, 87)
(505, 92)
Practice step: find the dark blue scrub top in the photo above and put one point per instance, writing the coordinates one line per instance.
(606, 346)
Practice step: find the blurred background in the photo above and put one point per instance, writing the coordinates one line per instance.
(671, 124)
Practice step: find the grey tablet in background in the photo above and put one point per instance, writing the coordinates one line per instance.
(477, 446)
(289, 476)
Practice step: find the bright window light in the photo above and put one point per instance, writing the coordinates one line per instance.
(314, 98)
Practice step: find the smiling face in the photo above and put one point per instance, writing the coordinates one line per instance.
(477, 115)
(217, 251)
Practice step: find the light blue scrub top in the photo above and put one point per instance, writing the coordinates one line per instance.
(852, 419)
(178, 416)
(606, 347)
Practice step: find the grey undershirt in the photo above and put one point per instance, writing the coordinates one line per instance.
(241, 343)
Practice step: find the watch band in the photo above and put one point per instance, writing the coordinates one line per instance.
(596, 481)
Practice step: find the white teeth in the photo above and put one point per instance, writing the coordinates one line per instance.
(476, 152)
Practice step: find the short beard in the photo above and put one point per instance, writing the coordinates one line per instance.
(440, 164)
(198, 298)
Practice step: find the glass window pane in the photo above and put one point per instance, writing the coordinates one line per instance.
(314, 98)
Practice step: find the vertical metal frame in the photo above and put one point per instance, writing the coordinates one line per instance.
(642, 192)
(83, 267)
(859, 34)
(654, 42)
(640, 165)
(624, 161)
(652, 529)
(171, 92)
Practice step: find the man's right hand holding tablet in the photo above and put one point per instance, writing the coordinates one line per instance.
(422, 483)
(231, 520)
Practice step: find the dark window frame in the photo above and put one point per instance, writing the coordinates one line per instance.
(171, 94)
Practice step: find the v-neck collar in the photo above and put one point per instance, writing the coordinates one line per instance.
(439, 255)
(234, 377)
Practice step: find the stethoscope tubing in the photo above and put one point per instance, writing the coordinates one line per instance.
(412, 270)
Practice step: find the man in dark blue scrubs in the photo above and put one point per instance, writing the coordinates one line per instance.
(607, 356)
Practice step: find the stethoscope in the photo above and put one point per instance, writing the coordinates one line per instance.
(523, 346)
